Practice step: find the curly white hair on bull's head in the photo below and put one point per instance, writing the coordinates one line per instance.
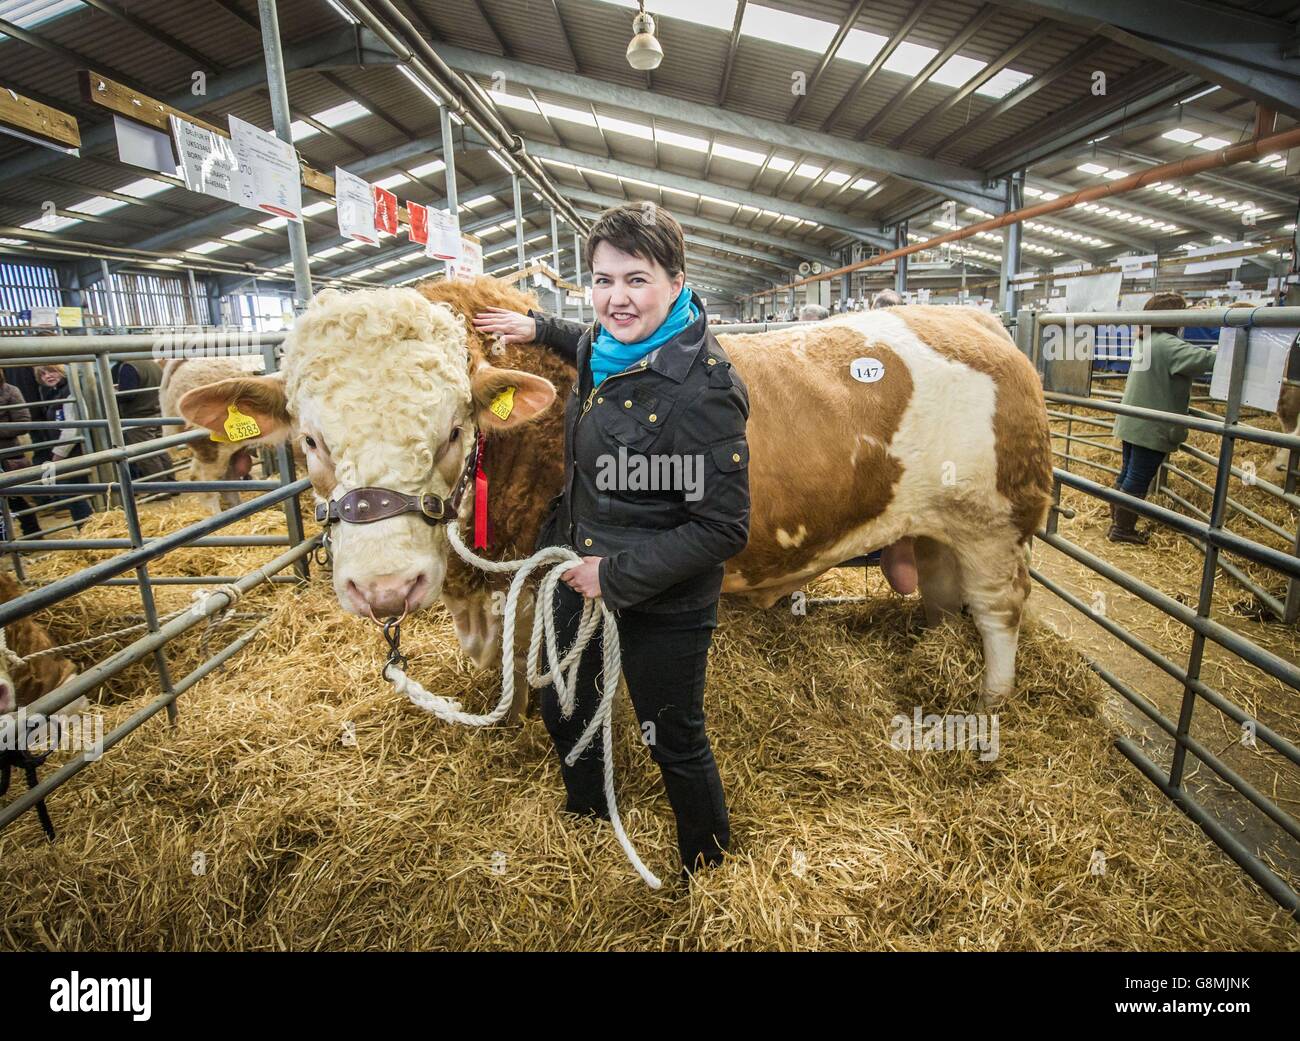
(378, 387)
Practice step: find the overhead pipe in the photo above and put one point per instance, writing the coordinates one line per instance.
(457, 95)
(1174, 171)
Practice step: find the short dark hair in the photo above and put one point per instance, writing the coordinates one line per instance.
(1166, 302)
(642, 229)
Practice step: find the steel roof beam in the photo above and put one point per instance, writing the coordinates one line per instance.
(801, 250)
(981, 19)
(618, 168)
(944, 178)
(1233, 47)
(968, 88)
(1125, 103)
(1080, 54)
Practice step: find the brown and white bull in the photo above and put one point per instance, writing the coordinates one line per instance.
(948, 443)
(209, 460)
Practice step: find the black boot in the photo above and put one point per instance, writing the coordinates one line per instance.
(1124, 527)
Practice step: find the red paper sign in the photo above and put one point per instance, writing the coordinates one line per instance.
(419, 226)
(385, 210)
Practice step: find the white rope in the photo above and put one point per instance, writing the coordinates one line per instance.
(199, 596)
(562, 671)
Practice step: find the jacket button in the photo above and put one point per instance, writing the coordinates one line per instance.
(627, 404)
(713, 361)
(586, 542)
(735, 457)
(653, 417)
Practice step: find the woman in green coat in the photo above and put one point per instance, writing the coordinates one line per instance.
(1160, 378)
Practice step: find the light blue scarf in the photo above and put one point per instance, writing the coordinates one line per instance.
(609, 355)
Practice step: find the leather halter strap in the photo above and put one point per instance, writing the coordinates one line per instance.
(366, 505)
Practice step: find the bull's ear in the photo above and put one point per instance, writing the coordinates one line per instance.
(506, 398)
(259, 398)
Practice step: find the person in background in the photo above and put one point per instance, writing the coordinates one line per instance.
(886, 298)
(12, 459)
(137, 398)
(813, 313)
(1160, 377)
(55, 387)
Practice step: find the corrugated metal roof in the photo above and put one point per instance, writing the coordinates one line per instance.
(532, 32)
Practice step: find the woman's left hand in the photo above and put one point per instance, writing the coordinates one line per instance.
(585, 578)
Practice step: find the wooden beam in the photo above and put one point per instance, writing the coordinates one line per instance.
(539, 269)
(120, 99)
(37, 120)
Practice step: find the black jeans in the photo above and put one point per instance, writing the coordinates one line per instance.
(665, 657)
(1139, 469)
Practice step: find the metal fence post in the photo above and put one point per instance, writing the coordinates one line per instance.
(118, 440)
(1210, 569)
(280, 113)
(285, 466)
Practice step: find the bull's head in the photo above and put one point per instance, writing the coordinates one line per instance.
(382, 390)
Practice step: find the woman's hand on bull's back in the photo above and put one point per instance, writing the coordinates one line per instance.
(511, 326)
(585, 578)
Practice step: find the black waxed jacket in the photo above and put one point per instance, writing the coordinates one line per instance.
(656, 468)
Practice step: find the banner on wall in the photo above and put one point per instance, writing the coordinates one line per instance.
(355, 207)
(418, 229)
(385, 210)
(269, 179)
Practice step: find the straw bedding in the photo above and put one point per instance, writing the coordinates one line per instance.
(325, 813)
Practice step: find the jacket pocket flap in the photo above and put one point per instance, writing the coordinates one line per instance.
(734, 455)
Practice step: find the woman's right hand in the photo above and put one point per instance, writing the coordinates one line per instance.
(510, 326)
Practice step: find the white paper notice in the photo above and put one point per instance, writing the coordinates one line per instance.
(356, 207)
(1211, 263)
(470, 262)
(1093, 292)
(1265, 366)
(444, 235)
(269, 179)
(207, 159)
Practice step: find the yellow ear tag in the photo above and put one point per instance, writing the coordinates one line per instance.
(504, 403)
(240, 427)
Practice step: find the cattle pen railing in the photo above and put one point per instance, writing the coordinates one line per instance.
(105, 452)
(1067, 387)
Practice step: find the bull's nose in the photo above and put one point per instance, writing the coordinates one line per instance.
(387, 595)
(8, 701)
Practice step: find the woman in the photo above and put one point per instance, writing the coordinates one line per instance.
(1159, 378)
(55, 391)
(12, 459)
(652, 383)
